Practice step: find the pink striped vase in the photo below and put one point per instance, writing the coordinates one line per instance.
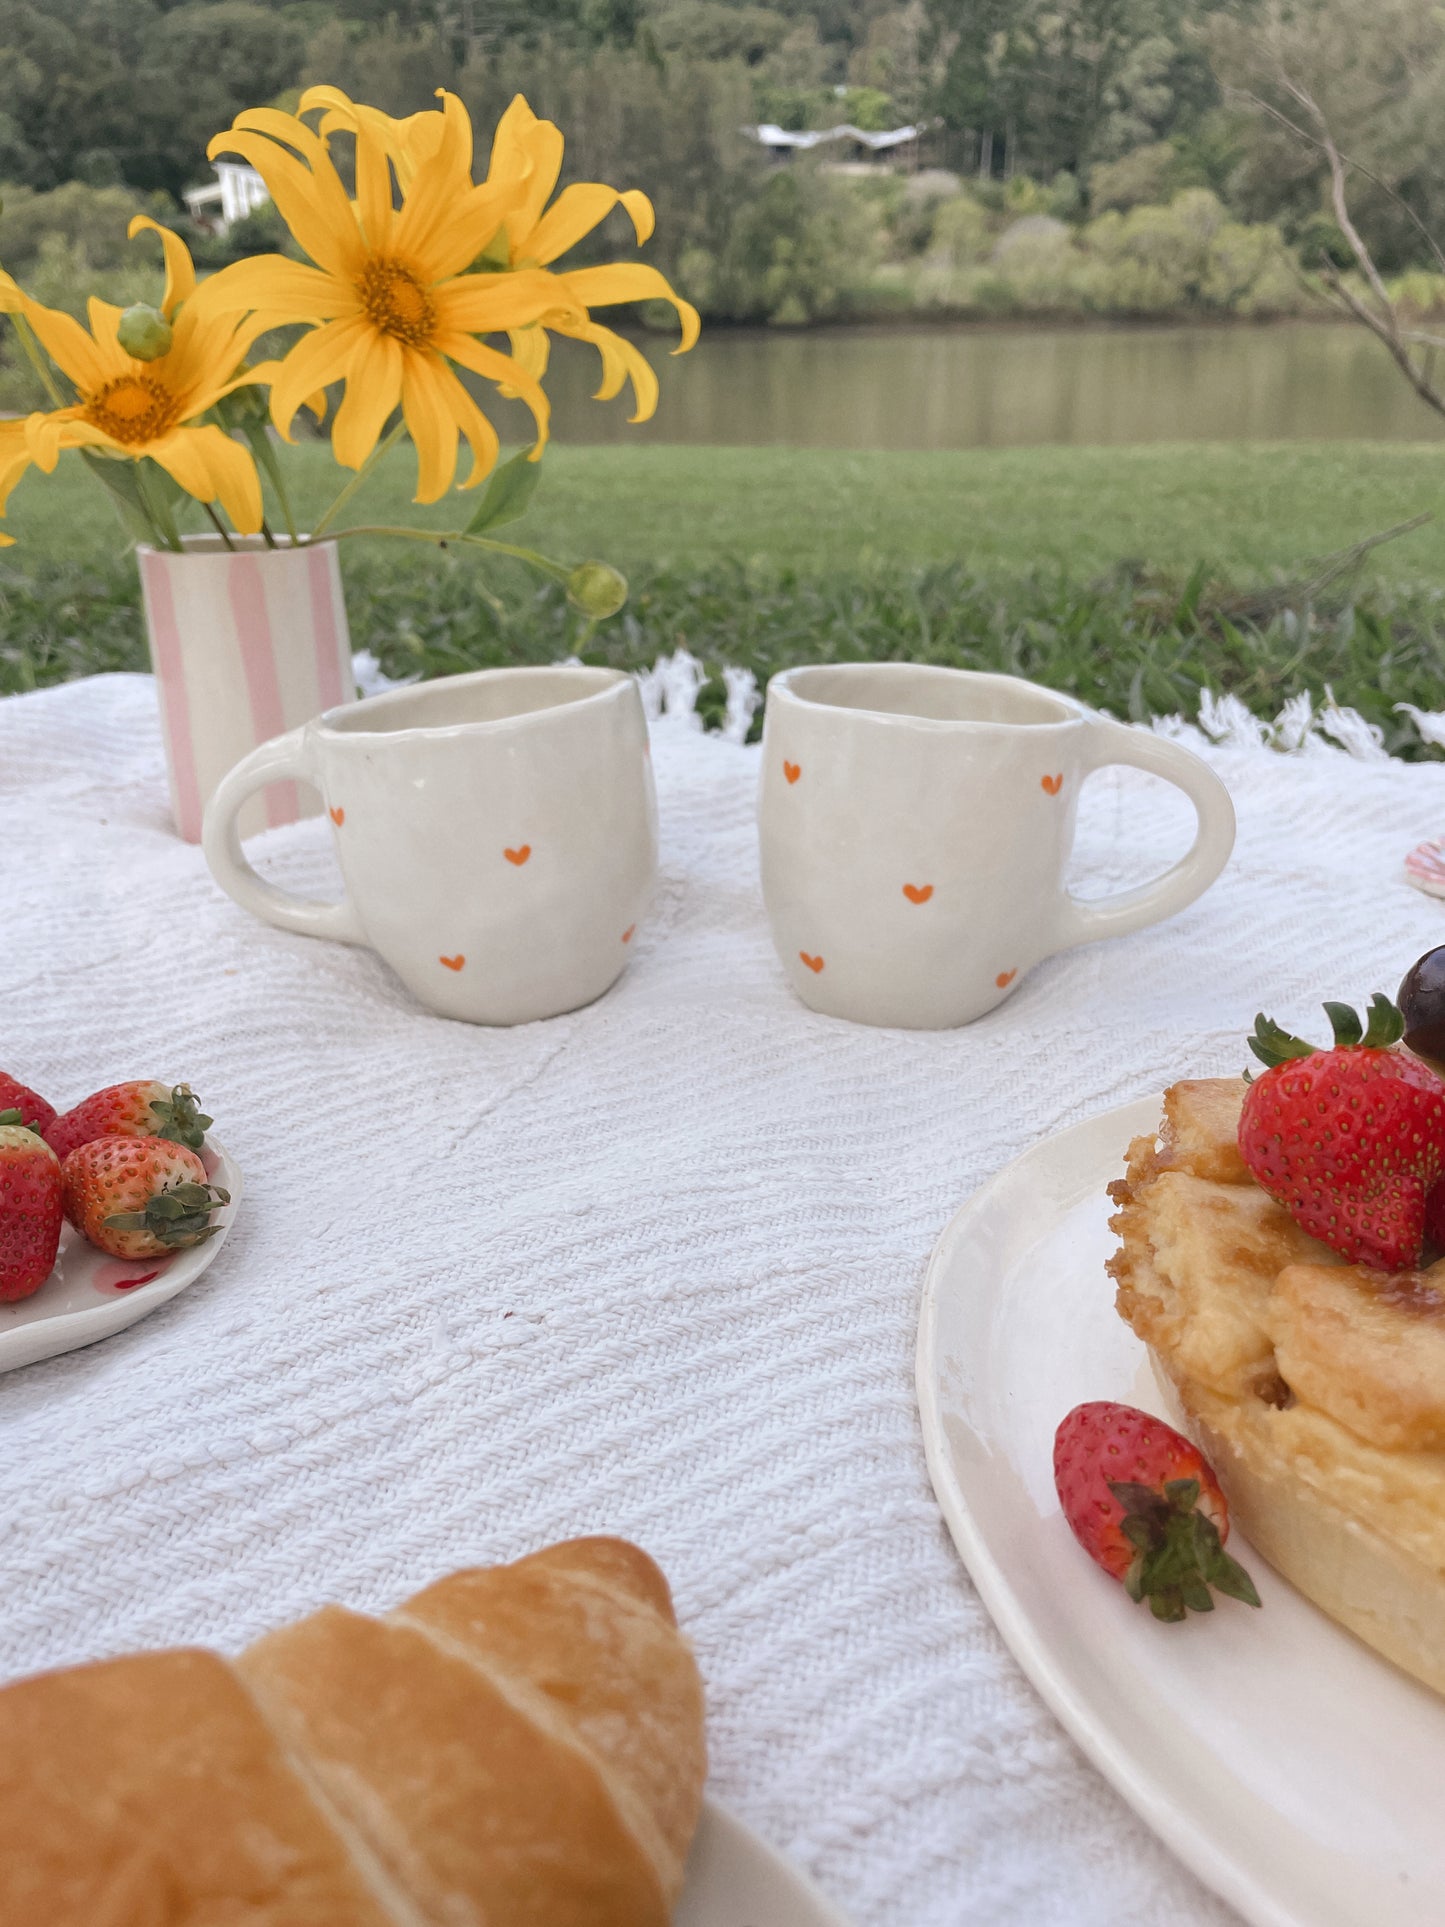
(246, 644)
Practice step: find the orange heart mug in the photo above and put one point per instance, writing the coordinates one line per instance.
(915, 826)
(496, 832)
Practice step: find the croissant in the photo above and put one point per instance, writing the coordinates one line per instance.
(514, 1746)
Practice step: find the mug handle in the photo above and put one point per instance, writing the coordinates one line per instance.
(1110, 742)
(283, 756)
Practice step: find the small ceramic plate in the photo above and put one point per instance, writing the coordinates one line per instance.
(733, 1880)
(1293, 1769)
(89, 1296)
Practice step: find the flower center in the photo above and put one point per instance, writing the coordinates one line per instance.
(133, 408)
(397, 303)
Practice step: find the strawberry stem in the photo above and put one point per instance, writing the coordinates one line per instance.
(1272, 1044)
(180, 1215)
(1178, 1554)
(179, 1119)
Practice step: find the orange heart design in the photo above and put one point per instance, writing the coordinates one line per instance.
(452, 963)
(815, 964)
(1053, 784)
(627, 933)
(792, 770)
(1005, 978)
(918, 892)
(338, 816)
(519, 857)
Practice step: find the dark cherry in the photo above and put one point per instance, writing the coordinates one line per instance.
(1422, 1004)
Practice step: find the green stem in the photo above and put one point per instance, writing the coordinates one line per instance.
(221, 527)
(37, 360)
(266, 455)
(160, 514)
(386, 442)
(443, 538)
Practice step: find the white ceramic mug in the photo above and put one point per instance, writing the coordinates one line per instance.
(916, 823)
(497, 834)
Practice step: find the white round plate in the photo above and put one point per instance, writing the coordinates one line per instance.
(89, 1296)
(1294, 1770)
(734, 1880)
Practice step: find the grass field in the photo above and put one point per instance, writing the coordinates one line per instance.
(1133, 576)
(1248, 510)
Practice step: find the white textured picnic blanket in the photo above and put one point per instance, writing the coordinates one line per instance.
(653, 1268)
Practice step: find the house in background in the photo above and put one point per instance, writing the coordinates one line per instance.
(857, 152)
(236, 191)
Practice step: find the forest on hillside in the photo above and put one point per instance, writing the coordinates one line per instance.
(1083, 156)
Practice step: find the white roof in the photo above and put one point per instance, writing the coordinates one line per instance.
(770, 135)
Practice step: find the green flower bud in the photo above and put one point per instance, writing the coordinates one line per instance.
(596, 589)
(144, 333)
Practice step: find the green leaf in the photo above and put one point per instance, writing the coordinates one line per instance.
(1272, 1044)
(1345, 1024)
(508, 494)
(1386, 1025)
(1230, 1577)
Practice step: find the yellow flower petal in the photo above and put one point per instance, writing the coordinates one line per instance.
(531, 349)
(45, 435)
(373, 388)
(14, 460)
(508, 375)
(431, 425)
(443, 230)
(310, 200)
(180, 271)
(480, 434)
(621, 362)
(484, 304)
(373, 191)
(321, 357)
(211, 466)
(631, 281)
(528, 150)
(62, 337)
(644, 220)
(575, 212)
(282, 290)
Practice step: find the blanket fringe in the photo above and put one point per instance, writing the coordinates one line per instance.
(670, 692)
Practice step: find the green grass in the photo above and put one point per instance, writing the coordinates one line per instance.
(1246, 509)
(1134, 576)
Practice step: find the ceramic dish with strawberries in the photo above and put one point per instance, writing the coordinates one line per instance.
(107, 1210)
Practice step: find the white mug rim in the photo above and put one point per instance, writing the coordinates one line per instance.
(345, 723)
(1066, 710)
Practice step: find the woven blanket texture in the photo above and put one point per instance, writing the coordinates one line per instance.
(653, 1268)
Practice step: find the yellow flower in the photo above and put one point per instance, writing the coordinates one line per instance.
(526, 160)
(389, 300)
(138, 408)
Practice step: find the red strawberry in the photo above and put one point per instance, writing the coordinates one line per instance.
(15, 1096)
(139, 1197)
(1144, 1504)
(143, 1109)
(1349, 1140)
(30, 1213)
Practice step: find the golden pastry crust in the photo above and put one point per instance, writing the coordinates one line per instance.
(1316, 1387)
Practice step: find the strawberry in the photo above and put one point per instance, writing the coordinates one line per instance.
(142, 1109)
(30, 1213)
(1350, 1140)
(15, 1096)
(139, 1197)
(1144, 1504)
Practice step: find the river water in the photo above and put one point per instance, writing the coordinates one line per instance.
(981, 387)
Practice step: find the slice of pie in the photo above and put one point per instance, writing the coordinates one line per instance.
(1316, 1387)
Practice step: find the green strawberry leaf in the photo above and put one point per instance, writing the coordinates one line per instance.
(1272, 1044)
(1345, 1023)
(1386, 1026)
